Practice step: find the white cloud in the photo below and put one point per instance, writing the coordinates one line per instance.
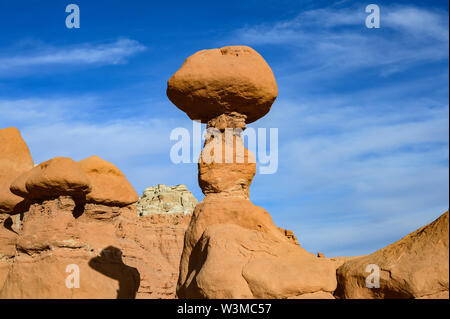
(331, 41)
(82, 54)
(418, 22)
(352, 179)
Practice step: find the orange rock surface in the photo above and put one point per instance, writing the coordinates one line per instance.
(119, 255)
(416, 266)
(15, 159)
(217, 81)
(109, 184)
(58, 176)
(232, 248)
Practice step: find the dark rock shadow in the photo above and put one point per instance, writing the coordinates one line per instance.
(110, 263)
(8, 223)
(80, 203)
(79, 209)
(22, 207)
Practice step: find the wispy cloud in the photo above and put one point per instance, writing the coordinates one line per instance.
(418, 22)
(353, 177)
(82, 54)
(335, 40)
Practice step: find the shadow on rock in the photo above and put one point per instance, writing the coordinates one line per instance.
(8, 224)
(110, 264)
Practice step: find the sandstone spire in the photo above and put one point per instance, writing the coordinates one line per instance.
(232, 248)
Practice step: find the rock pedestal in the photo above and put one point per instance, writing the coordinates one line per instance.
(232, 248)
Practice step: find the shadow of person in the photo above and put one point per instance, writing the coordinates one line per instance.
(109, 263)
(8, 224)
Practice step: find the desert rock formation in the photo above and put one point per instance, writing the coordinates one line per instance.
(61, 220)
(416, 266)
(15, 159)
(222, 81)
(162, 199)
(232, 248)
(81, 215)
(119, 255)
(109, 184)
(56, 177)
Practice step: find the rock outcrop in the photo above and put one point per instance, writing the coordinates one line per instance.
(232, 248)
(162, 199)
(79, 219)
(59, 176)
(109, 184)
(416, 266)
(291, 236)
(219, 81)
(117, 254)
(15, 159)
(79, 230)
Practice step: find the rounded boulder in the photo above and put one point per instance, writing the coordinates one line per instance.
(221, 81)
(109, 184)
(60, 176)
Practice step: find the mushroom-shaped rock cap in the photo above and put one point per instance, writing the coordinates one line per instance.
(109, 184)
(56, 177)
(221, 81)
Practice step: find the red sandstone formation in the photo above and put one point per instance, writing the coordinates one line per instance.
(81, 214)
(109, 184)
(416, 266)
(222, 81)
(62, 213)
(232, 248)
(119, 255)
(59, 176)
(15, 159)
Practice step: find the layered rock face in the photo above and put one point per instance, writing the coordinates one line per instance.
(80, 218)
(15, 159)
(118, 254)
(416, 266)
(162, 199)
(232, 248)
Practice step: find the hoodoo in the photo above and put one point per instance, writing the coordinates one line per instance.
(232, 248)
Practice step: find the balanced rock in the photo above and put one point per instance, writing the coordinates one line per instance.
(59, 176)
(109, 186)
(15, 159)
(232, 248)
(416, 266)
(162, 199)
(221, 81)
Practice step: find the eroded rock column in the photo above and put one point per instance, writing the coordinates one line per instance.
(232, 248)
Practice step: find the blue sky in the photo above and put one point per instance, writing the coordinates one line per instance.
(363, 114)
